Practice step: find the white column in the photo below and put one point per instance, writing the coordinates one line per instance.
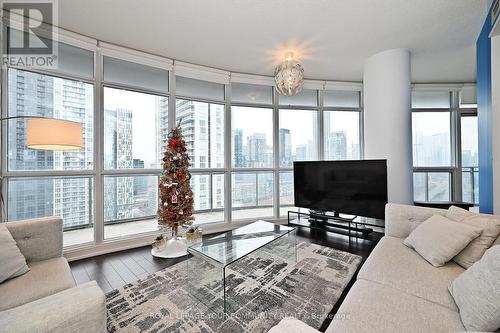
(387, 122)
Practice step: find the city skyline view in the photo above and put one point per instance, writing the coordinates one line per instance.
(135, 136)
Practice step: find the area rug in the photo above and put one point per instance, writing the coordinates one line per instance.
(263, 290)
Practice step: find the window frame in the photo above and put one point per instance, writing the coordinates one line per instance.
(98, 173)
(455, 169)
(91, 174)
(320, 109)
(102, 172)
(209, 171)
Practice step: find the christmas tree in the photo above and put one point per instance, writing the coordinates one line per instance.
(176, 196)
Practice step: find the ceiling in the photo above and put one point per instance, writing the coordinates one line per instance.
(332, 38)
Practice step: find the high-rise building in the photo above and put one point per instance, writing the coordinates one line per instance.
(217, 135)
(45, 96)
(161, 126)
(138, 163)
(337, 145)
(257, 149)
(239, 161)
(203, 128)
(301, 153)
(431, 149)
(140, 183)
(285, 146)
(118, 191)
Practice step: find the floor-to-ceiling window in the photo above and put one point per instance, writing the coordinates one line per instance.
(46, 183)
(336, 112)
(252, 151)
(135, 126)
(444, 136)
(243, 139)
(200, 111)
(469, 146)
(298, 139)
(342, 125)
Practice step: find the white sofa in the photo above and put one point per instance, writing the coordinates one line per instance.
(45, 299)
(396, 289)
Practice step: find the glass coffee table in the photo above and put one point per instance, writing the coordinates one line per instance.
(213, 259)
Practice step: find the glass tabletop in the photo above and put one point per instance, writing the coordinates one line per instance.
(235, 244)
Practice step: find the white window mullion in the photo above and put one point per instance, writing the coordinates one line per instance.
(171, 100)
(321, 128)
(276, 154)
(3, 132)
(99, 151)
(227, 156)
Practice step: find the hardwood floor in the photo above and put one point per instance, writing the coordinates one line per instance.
(114, 270)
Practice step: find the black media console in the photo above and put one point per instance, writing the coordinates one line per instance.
(356, 226)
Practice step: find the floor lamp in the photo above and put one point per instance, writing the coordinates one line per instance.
(46, 134)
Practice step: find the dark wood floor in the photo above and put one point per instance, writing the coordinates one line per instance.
(114, 270)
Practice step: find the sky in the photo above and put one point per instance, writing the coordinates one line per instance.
(257, 120)
(301, 123)
(469, 134)
(253, 120)
(143, 120)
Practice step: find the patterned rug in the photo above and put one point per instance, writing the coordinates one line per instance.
(262, 288)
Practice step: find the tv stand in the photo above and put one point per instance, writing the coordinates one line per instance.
(323, 215)
(354, 225)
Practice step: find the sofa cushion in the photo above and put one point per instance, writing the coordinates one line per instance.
(292, 325)
(12, 262)
(400, 220)
(477, 293)
(372, 307)
(490, 226)
(81, 309)
(439, 239)
(393, 264)
(44, 278)
(38, 239)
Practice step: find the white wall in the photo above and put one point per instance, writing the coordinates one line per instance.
(387, 122)
(495, 98)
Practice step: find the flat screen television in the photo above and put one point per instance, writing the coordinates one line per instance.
(345, 187)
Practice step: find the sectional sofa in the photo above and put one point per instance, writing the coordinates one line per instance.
(396, 289)
(46, 299)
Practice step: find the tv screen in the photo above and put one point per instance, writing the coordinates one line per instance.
(348, 187)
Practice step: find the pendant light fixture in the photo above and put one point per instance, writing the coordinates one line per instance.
(289, 76)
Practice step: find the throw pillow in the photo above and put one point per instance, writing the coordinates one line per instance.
(439, 239)
(459, 214)
(12, 262)
(490, 226)
(477, 293)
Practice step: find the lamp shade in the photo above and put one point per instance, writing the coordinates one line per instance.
(53, 134)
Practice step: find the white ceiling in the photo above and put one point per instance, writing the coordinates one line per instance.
(332, 37)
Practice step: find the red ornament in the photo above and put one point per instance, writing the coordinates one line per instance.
(175, 143)
(170, 214)
(180, 174)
